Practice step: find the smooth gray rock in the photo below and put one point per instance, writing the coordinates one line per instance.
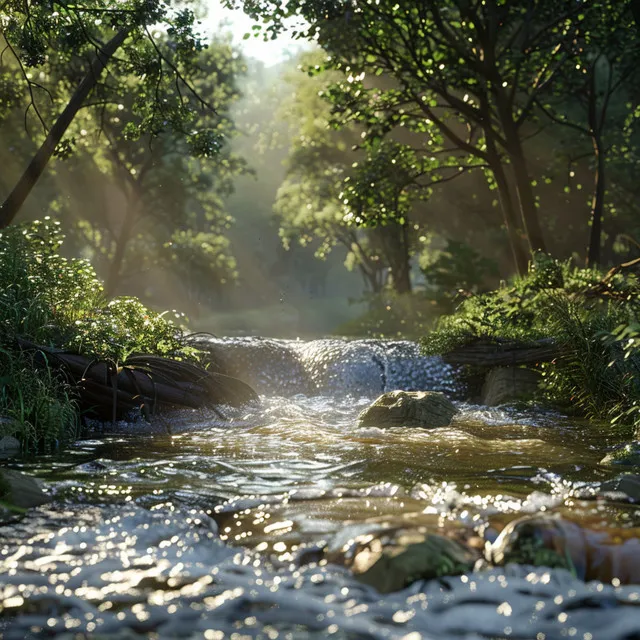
(21, 490)
(508, 384)
(426, 409)
(9, 446)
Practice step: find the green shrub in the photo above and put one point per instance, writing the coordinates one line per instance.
(122, 327)
(41, 292)
(53, 301)
(598, 336)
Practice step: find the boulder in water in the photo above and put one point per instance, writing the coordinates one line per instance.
(508, 384)
(427, 409)
(629, 456)
(543, 540)
(626, 485)
(9, 446)
(21, 490)
(435, 557)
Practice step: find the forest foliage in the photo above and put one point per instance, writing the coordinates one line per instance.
(49, 300)
(440, 150)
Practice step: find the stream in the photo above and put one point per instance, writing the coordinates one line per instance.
(206, 526)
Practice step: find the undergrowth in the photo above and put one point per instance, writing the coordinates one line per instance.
(52, 301)
(596, 329)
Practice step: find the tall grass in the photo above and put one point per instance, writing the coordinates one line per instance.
(36, 403)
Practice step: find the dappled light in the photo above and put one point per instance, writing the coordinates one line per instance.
(320, 319)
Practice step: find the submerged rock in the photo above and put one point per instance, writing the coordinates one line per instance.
(629, 455)
(508, 384)
(396, 568)
(553, 542)
(627, 485)
(20, 490)
(92, 467)
(427, 409)
(9, 446)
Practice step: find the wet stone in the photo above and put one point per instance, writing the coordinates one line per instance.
(626, 485)
(434, 557)
(20, 490)
(509, 384)
(425, 409)
(92, 467)
(9, 446)
(607, 555)
(629, 455)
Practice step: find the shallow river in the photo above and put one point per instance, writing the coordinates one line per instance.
(197, 526)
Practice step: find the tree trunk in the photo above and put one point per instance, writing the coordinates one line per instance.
(371, 280)
(596, 126)
(526, 198)
(514, 230)
(368, 268)
(395, 243)
(402, 278)
(11, 206)
(597, 206)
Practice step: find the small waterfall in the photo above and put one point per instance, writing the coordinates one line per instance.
(329, 366)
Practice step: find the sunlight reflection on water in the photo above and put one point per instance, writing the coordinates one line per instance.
(137, 546)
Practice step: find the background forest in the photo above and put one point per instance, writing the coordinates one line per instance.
(360, 189)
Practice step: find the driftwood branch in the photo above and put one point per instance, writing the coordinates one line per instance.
(150, 383)
(603, 288)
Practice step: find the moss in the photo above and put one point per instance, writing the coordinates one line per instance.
(629, 455)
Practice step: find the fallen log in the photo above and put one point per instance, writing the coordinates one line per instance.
(501, 353)
(145, 382)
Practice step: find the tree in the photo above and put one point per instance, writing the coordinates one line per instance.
(471, 70)
(171, 211)
(591, 92)
(312, 204)
(143, 44)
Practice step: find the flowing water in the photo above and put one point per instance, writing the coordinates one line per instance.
(204, 527)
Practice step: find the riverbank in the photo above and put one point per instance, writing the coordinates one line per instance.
(578, 329)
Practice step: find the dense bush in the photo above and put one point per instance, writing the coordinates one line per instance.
(52, 301)
(593, 319)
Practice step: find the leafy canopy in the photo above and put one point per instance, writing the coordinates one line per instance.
(54, 43)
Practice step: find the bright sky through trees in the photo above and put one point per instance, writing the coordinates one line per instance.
(270, 52)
